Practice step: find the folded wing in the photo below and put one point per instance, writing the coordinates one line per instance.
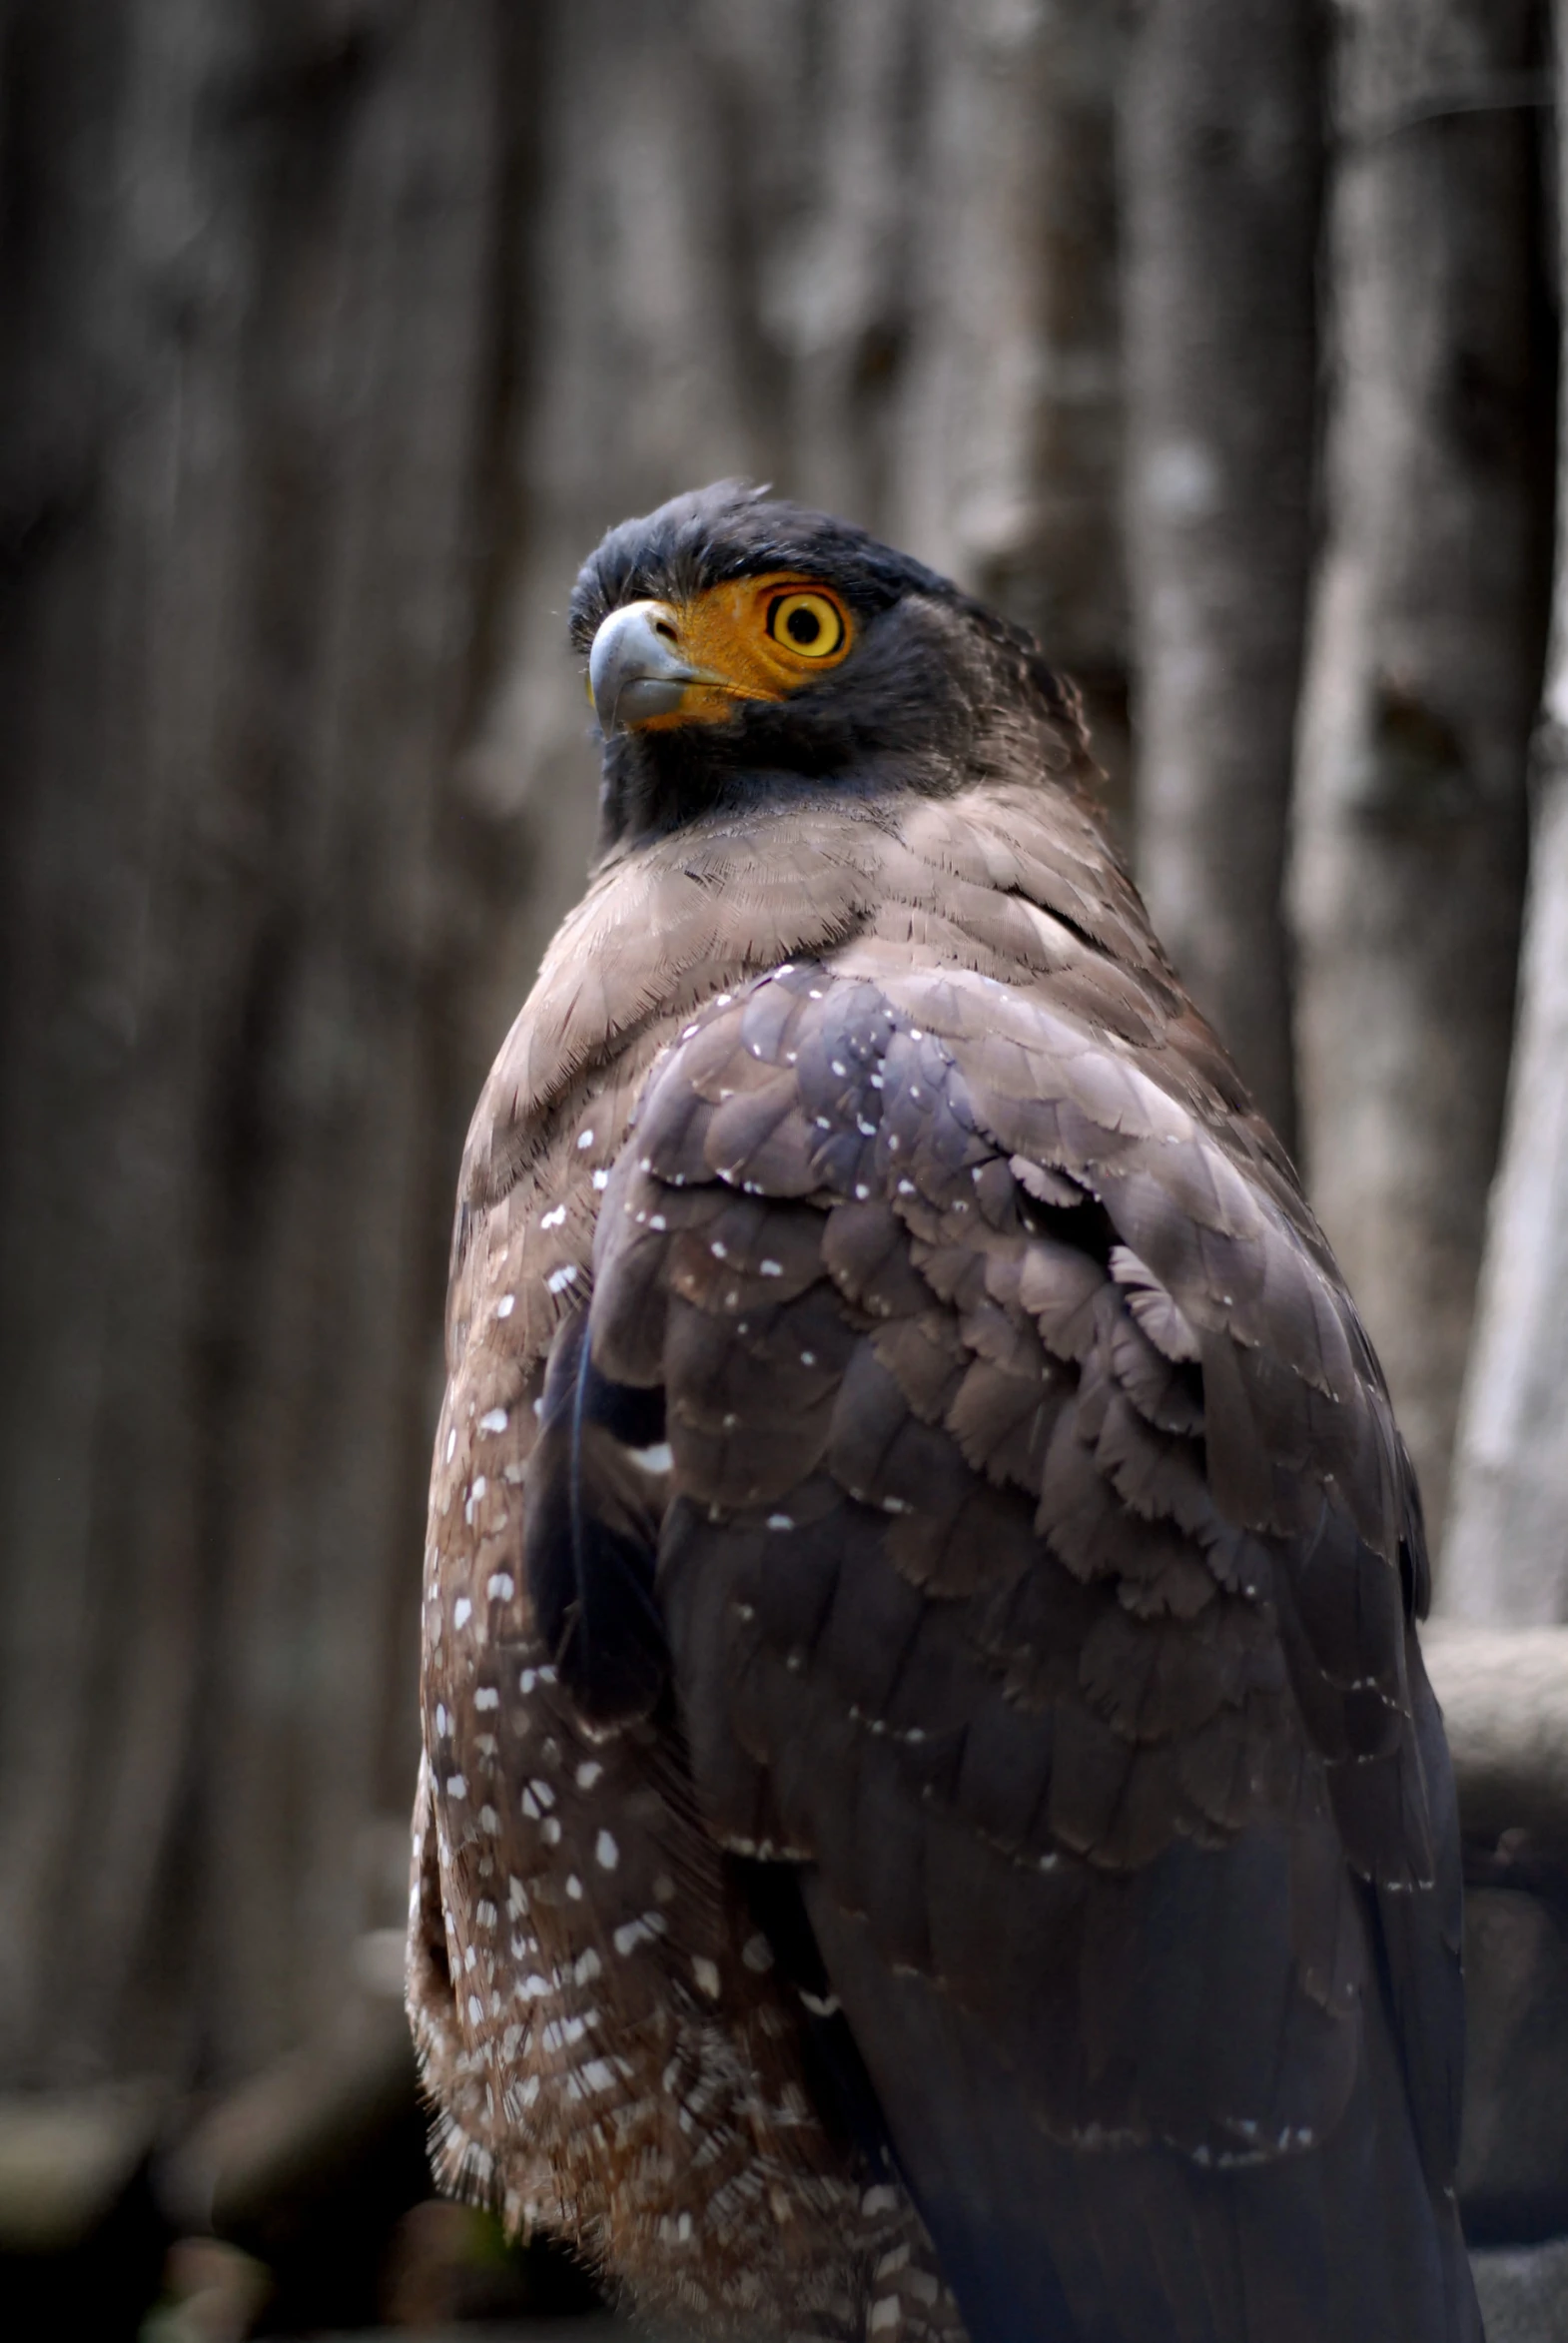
(1038, 1576)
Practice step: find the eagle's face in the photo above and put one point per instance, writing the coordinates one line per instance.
(738, 646)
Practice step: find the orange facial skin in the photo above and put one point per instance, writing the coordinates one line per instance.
(754, 638)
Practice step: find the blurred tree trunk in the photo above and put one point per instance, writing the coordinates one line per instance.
(245, 279)
(1423, 669)
(1222, 164)
(1506, 1555)
(1008, 452)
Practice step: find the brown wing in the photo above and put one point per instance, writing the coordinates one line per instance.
(1040, 1578)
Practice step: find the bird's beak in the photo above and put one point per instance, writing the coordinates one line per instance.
(635, 669)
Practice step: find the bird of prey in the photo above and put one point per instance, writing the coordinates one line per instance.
(933, 1820)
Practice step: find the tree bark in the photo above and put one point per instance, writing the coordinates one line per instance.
(245, 273)
(1008, 449)
(1220, 173)
(1506, 1555)
(1422, 673)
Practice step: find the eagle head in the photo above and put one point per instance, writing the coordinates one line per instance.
(738, 646)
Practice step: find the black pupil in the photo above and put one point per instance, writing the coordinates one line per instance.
(803, 626)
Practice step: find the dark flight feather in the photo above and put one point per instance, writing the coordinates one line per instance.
(590, 1534)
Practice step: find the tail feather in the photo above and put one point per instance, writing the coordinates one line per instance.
(1045, 2242)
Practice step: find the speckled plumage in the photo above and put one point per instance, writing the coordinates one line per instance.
(921, 1700)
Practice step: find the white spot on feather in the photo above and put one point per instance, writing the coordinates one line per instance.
(493, 1420)
(507, 1304)
(605, 1852)
(558, 1280)
(501, 1586)
(706, 1973)
(461, 1611)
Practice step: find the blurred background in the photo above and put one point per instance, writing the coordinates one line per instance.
(1216, 340)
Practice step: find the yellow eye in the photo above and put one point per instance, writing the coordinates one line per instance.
(810, 625)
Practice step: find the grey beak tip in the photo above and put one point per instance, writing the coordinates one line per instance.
(633, 670)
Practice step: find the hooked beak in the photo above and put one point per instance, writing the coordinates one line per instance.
(635, 669)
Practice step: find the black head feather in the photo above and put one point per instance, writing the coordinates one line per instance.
(937, 690)
(731, 529)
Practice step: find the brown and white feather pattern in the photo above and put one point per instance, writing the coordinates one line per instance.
(1030, 1515)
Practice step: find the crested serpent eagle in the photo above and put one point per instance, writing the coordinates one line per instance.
(933, 1820)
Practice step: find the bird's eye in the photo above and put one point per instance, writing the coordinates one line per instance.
(810, 625)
